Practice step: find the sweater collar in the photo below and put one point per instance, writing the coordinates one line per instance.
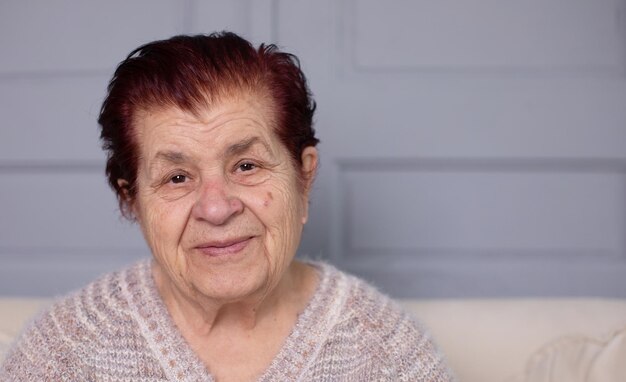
(180, 363)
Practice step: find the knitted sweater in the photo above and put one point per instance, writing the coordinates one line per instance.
(118, 329)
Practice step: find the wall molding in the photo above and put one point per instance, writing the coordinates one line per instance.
(345, 250)
(52, 167)
(348, 35)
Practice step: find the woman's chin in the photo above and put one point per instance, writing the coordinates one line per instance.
(230, 277)
(224, 293)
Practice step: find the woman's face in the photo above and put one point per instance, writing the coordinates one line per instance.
(218, 199)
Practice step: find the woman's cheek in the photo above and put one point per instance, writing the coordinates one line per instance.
(288, 216)
(163, 221)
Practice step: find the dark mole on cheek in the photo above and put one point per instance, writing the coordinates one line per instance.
(267, 201)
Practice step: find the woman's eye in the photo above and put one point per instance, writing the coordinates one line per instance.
(178, 179)
(247, 166)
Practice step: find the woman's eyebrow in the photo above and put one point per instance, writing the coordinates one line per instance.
(175, 157)
(245, 145)
(162, 159)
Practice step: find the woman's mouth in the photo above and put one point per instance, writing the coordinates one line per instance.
(225, 247)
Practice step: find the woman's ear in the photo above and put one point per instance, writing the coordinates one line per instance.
(309, 167)
(123, 186)
(127, 205)
(309, 170)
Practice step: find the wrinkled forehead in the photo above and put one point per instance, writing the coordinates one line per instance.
(254, 102)
(227, 122)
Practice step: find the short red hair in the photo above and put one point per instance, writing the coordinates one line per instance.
(191, 73)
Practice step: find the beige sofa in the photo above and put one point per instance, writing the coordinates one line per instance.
(517, 340)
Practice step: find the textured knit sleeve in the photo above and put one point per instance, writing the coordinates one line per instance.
(42, 353)
(403, 348)
(90, 335)
(413, 354)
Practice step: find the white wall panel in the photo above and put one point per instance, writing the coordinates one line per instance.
(50, 119)
(218, 15)
(262, 21)
(493, 277)
(493, 35)
(68, 35)
(63, 211)
(311, 47)
(493, 208)
(60, 229)
(459, 117)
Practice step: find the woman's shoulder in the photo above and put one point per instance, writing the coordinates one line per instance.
(360, 300)
(67, 331)
(99, 300)
(92, 308)
(384, 333)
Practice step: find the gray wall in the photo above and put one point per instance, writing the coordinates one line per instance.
(469, 147)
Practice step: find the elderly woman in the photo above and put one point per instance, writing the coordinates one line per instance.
(211, 150)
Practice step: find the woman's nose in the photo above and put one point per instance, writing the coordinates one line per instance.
(215, 204)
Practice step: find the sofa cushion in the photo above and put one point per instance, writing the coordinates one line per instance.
(579, 359)
(492, 340)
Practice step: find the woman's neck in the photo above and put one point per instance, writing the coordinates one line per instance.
(238, 340)
(199, 316)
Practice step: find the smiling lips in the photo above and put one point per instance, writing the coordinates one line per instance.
(223, 248)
